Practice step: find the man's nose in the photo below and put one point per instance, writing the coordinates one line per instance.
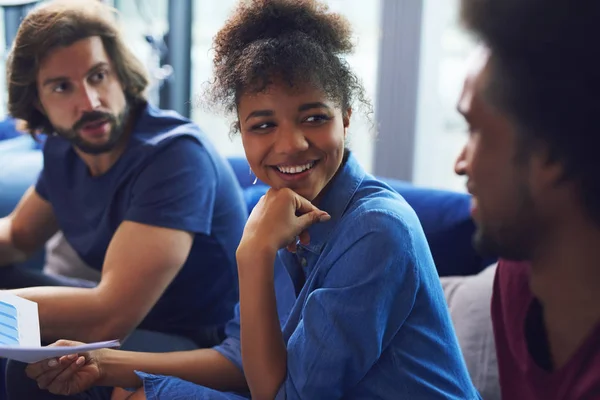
(89, 99)
(461, 163)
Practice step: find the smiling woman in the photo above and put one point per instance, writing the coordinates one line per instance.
(321, 315)
(293, 140)
(292, 90)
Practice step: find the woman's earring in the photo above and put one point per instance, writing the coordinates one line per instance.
(255, 177)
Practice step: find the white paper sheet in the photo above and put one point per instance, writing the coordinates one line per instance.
(20, 333)
(19, 321)
(35, 354)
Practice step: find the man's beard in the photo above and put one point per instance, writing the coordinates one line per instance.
(117, 130)
(501, 245)
(512, 238)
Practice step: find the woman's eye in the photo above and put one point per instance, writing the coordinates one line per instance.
(263, 126)
(318, 118)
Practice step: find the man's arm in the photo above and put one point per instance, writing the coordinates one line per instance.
(26, 229)
(140, 263)
(172, 199)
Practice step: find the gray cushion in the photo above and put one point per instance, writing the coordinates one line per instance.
(62, 260)
(469, 301)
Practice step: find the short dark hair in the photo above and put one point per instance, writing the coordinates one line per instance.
(59, 24)
(545, 75)
(297, 41)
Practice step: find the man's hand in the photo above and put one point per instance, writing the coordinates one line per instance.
(69, 374)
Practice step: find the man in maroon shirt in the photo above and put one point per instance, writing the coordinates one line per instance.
(532, 101)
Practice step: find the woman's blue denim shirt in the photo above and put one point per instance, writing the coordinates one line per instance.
(361, 307)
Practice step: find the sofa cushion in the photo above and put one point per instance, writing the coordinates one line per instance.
(18, 171)
(18, 143)
(8, 129)
(446, 219)
(469, 301)
(252, 195)
(242, 170)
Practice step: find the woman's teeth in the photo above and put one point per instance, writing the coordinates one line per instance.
(295, 169)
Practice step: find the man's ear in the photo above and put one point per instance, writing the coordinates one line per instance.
(545, 170)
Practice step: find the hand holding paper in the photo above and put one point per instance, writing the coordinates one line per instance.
(68, 375)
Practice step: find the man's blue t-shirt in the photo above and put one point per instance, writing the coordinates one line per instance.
(169, 176)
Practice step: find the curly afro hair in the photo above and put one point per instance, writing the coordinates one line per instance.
(545, 75)
(298, 42)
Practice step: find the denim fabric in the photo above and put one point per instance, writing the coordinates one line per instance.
(370, 318)
(158, 387)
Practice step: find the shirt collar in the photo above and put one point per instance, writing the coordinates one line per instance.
(335, 201)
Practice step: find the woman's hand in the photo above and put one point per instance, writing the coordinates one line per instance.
(69, 374)
(278, 219)
(275, 222)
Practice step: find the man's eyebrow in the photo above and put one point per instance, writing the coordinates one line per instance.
(57, 79)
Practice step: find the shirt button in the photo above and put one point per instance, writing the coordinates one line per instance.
(303, 262)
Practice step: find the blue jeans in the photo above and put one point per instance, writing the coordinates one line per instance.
(19, 387)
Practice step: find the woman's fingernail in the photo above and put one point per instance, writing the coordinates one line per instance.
(71, 356)
(52, 363)
(80, 361)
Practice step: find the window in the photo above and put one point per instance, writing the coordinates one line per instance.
(441, 131)
(3, 54)
(11, 14)
(144, 23)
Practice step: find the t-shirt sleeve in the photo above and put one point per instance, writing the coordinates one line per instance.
(176, 189)
(40, 185)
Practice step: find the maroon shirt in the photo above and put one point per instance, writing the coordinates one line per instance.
(524, 363)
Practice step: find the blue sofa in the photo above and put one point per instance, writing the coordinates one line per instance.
(444, 215)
